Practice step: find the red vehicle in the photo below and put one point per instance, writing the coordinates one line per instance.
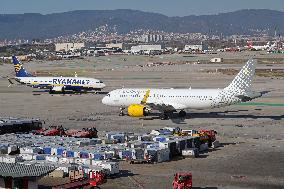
(53, 131)
(97, 178)
(182, 181)
(84, 133)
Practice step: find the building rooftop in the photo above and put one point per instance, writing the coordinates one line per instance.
(17, 170)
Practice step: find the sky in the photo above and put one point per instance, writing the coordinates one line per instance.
(166, 7)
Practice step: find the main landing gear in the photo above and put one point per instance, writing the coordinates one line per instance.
(121, 113)
(164, 116)
(182, 113)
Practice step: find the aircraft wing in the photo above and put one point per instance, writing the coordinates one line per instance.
(160, 105)
(165, 107)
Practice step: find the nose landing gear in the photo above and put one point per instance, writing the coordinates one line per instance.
(121, 113)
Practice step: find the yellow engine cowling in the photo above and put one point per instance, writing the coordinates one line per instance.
(137, 110)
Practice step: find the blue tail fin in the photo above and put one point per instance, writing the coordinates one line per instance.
(19, 69)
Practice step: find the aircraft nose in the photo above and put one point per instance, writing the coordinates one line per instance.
(105, 100)
(103, 85)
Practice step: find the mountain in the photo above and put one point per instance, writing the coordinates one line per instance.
(33, 25)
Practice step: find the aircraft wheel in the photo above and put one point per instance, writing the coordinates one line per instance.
(164, 116)
(182, 113)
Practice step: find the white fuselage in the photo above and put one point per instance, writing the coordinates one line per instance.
(179, 99)
(68, 82)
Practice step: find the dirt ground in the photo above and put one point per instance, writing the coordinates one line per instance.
(252, 152)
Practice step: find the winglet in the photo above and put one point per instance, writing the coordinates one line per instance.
(144, 101)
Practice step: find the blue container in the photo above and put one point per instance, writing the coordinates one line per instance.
(70, 154)
(47, 150)
(40, 157)
(108, 155)
(165, 132)
(98, 156)
(84, 155)
(160, 139)
(60, 151)
(125, 154)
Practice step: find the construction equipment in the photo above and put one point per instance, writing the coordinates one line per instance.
(206, 136)
(182, 180)
(210, 135)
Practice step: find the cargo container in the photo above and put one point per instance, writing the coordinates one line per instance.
(171, 145)
(125, 154)
(11, 159)
(193, 152)
(137, 153)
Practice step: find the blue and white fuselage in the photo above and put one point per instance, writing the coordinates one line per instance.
(62, 83)
(55, 84)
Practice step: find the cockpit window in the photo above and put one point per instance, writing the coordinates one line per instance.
(101, 82)
(108, 94)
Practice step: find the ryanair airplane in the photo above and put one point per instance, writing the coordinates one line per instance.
(140, 102)
(55, 84)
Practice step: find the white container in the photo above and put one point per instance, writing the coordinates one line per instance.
(193, 152)
(30, 150)
(27, 157)
(54, 159)
(87, 161)
(112, 167)
(65, 169)
(76, 154)
(12, 159)
(54, 151)
(64, 160)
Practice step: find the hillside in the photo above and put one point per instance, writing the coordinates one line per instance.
(33, 25)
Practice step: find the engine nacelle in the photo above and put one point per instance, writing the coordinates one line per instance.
(58, 88)
(137, 110)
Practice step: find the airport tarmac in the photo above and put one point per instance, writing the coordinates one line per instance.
(252, 134)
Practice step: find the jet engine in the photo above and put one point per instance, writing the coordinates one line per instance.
(57, 89)
(137, 110)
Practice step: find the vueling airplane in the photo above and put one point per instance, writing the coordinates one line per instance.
(55, 84)
(140, 101)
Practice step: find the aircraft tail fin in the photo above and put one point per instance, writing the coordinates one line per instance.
(19, 69)
(243, 81)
